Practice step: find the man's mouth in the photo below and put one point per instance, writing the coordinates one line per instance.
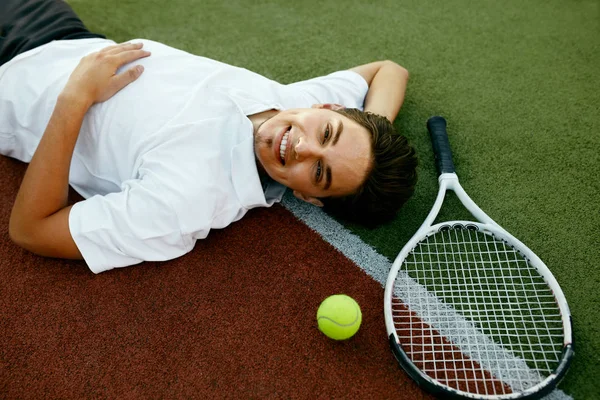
(283, 145)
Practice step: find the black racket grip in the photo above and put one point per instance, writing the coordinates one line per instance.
(441, 145)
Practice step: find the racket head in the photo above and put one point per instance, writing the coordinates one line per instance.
(471, 312)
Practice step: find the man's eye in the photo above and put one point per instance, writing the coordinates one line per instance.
(318, 171)
(327, 133)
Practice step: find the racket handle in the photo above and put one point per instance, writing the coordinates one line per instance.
(441, 145)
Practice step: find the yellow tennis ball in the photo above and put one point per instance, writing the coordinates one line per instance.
(339, 317)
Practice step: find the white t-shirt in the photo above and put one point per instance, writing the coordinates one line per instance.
(165, 160)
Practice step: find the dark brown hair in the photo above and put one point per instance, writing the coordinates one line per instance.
(390, 181)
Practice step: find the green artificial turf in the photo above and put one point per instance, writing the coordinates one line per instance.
(517, 81)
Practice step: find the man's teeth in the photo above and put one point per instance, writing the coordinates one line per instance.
(283, 145)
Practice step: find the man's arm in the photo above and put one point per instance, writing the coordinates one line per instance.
(387, 85)
(39, 221)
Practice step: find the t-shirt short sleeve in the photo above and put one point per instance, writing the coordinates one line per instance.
(347, 88)
(126, 228)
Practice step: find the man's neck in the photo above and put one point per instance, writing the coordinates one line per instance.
(259, 118)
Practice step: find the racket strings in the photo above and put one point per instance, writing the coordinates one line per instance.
(473, 314)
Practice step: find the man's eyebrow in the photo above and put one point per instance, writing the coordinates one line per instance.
(328, 169)
(338, 133)
(327, 178)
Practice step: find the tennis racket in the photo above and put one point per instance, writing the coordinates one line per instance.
(470, 311)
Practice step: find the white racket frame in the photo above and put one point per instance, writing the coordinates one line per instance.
(449, 181)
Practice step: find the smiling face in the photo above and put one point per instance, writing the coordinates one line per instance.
(314, 151)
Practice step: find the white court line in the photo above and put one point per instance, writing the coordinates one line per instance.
(378, 267)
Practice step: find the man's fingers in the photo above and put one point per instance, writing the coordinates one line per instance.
(128, 56)
(124, 53)
(126, 77)
(119, 48)
(113, 47)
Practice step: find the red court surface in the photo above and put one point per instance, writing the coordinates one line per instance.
(235, 318)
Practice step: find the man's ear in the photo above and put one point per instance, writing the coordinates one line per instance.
(329, 106)
(309, 199)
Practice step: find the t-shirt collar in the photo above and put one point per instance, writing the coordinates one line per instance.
(250, 190)
(246, 180)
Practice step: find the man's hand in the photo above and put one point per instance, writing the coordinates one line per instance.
(96, 80)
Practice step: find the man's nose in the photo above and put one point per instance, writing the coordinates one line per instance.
(304, 149)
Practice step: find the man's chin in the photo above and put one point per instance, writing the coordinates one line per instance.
(265, 174)
(262, 170)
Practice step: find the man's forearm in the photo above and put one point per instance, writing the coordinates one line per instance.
(45, 187)
(386, 92)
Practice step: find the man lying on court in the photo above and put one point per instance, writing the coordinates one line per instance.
(165, 153)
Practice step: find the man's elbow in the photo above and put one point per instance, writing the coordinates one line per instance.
(404, 72)
(13, 229)
(17, 234)
(401, 70)
(48, 237)
(21, 232)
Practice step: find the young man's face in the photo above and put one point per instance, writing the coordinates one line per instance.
(315, 152)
